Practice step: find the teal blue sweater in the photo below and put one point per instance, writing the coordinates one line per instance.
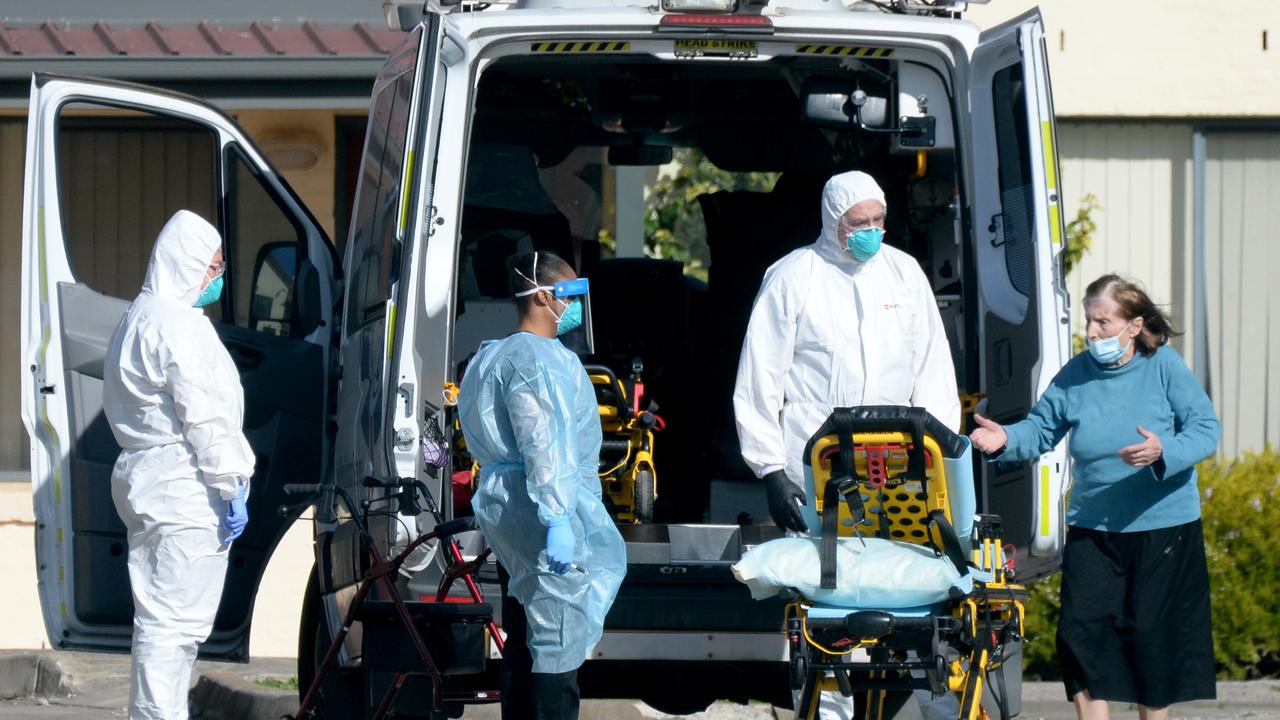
(1102, 407)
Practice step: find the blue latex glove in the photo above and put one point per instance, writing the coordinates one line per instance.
(237, 514)
(560, 543)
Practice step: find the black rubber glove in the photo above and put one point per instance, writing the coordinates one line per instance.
(784, 501)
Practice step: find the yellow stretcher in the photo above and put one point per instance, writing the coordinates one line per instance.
(898, 475)
(627, 473)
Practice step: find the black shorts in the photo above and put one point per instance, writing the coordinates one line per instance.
(1135, 624)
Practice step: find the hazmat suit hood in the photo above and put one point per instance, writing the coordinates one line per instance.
(181, 257)
(842, 192)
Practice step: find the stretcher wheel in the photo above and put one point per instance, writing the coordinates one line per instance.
(799, 670)
(645, 493)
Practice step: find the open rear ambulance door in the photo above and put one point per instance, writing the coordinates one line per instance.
(1018, 238)
(87, 238)
(378, 397)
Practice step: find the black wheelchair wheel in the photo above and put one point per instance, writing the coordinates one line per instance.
(342, 694)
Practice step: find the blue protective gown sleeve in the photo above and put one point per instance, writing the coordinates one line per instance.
(589, 437)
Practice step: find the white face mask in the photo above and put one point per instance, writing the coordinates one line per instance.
(1108, 351)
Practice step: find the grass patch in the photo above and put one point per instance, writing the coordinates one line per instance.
(278, 684)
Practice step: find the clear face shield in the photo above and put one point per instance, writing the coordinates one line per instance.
(574, 324)
(572, 310)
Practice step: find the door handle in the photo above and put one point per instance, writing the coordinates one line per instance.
(246, 358)
(996, 229)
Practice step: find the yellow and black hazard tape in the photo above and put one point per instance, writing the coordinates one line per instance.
(844, 51)
(580, 46)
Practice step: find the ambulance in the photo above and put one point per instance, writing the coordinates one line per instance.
(496, 128)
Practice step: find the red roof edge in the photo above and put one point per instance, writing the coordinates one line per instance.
(362, 29)
(211, 37)
(313, 32)
(157, 33)
(52, 32)
(104, 32)
(205, 39)
(6, 43)
(260, 31)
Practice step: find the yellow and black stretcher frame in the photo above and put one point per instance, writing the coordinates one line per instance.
(627, 474)
(879, 470)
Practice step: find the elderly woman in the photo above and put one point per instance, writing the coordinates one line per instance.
(1135, 623)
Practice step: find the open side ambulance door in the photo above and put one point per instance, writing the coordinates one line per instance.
(87, 238)
(1018, 237)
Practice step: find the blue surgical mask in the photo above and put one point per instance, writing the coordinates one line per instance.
(1108, 350)
(865, 243)
(570, 319)
(211, 293)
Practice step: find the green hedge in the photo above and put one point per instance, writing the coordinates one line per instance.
(1241, 513)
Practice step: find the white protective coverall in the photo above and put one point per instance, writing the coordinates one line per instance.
(827, 331)
(173, 398)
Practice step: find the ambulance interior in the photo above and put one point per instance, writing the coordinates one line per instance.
(548, 134)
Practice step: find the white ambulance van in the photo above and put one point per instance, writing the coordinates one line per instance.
(535, 126)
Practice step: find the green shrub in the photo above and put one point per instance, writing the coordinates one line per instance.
(1241, 510)
(1240, 506)
(1039, 654)
(1080, 232)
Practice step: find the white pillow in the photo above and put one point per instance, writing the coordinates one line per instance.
(883, 574)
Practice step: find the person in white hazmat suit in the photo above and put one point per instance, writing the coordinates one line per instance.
(529, 415)
(846, 321)
(175, 405)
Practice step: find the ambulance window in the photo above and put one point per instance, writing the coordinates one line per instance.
(122, 177)
(373, 231)
(1014, 161)
(262, 240)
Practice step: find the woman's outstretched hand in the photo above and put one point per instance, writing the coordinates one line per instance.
(989, 436)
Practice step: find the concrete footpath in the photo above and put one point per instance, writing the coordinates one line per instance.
(46, 684)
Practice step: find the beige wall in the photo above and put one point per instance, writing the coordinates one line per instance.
(1141, 175)
(1149, 58)
(284, 134)
(1242, 214)
(20, 603)
(275, 617)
